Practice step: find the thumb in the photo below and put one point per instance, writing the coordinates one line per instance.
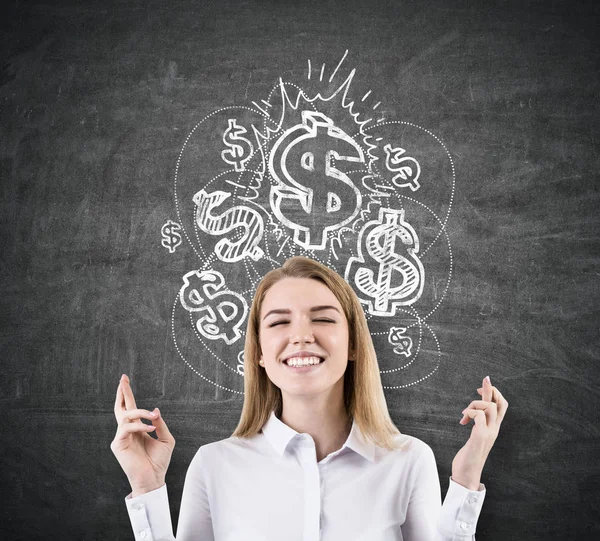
(162, 432)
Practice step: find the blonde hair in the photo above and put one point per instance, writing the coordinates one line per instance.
(363, 392)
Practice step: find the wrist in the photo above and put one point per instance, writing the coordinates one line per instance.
(468, 483)
(139, 490)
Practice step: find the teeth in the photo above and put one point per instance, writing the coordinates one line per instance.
(303, 361)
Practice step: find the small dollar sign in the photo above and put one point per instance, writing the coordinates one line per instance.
(240, 360)
(311, 195)
(234, 218)
(396, 337)
(408, 169)
(223, 311)
(171, 237)
(240, 149)
(399, 280)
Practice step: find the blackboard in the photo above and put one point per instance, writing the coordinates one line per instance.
(114, 116)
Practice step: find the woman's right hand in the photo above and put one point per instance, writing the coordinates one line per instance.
(144, 460)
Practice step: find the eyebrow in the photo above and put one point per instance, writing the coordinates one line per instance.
(319, 308)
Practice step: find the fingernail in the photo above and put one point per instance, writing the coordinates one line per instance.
(156, 411)
(488, 379)
(463, 411)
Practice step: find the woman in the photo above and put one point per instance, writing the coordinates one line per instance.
(315, 455)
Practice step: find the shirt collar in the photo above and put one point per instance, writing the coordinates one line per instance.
(279, 435)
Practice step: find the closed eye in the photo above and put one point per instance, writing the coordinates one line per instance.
(324, 320)
(275, 323)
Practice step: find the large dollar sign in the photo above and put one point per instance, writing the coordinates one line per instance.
(240, 149)
(399, 280)
(171, 237)
(311, 195)
(223, 311)
(236, 217)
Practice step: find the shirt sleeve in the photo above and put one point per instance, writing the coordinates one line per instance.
(150, 514)
(427, 519)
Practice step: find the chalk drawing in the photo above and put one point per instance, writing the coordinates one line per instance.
(313, 167)
(171, 237)
(407, 168)
(222, 312)
(239, 148)
(328, 197)
(391, 245)
(402, 343)
(233, 218)
(240, 365)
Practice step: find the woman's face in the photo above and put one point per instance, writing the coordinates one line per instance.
(302, 318)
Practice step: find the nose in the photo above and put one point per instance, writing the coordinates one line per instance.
(301, 332)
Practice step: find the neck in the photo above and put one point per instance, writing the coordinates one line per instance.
(328, 424)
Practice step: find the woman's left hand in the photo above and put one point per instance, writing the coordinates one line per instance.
(488, 413)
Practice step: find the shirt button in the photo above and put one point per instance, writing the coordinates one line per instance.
(464, 525)
(472, 499)
(137, 506)
(143, 534)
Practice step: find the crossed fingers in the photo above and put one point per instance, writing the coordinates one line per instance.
(126, 410)
(490, 410)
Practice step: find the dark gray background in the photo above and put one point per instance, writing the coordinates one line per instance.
(96, 99)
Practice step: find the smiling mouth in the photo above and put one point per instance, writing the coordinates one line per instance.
(297, 362)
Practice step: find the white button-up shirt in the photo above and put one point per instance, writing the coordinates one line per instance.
(271, 488)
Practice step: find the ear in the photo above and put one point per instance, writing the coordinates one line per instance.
(351, 354)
